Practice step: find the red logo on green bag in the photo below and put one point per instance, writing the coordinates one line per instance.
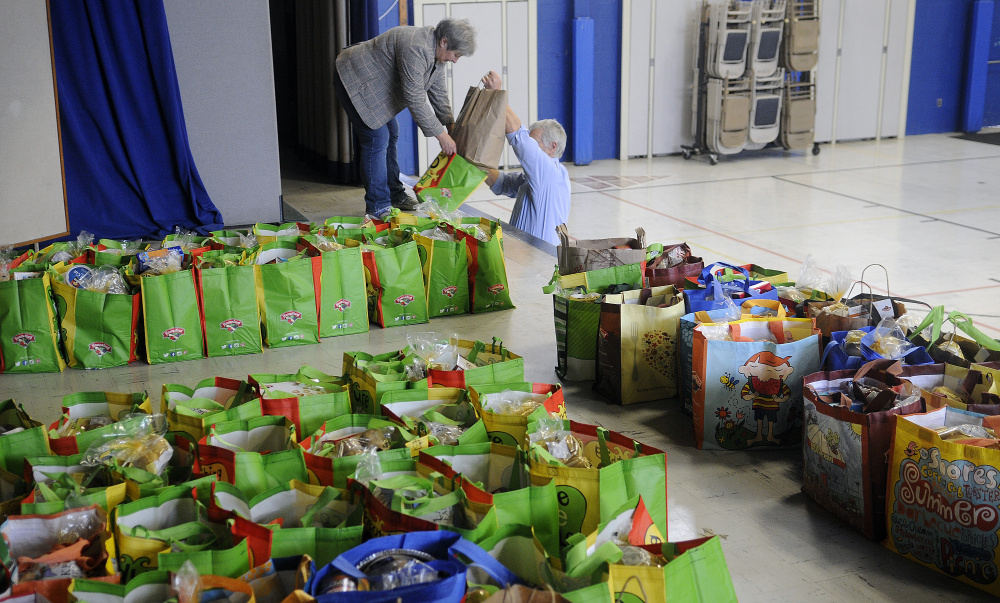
(231, 325)
(25, 339)
(100, 348)
(404, 300)
(291, 316)
(450, 291)
(173, 334)
(342, 304)
(497, 288)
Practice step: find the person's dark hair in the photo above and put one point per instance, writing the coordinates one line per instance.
(460, 34)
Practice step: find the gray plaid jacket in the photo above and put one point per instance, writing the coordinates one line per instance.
(395, 71)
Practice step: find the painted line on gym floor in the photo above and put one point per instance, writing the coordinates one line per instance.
(715, 232)
(928, 217)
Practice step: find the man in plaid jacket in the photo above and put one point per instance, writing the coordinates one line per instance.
(404, 68)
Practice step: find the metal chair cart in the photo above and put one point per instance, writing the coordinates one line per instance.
(750, 89)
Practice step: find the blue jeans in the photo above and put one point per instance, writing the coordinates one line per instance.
(377, 156)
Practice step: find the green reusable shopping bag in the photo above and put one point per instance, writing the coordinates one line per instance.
(487, 270)
(28, 327)
(448, 181)
(396, 294)
(230, 563)
(644, 476)
(254, 455)
(146, 587)
(65, 437)
(172, 318)
(232, 318)
(15, 447)
(446, 275)
(193, 410)
(577, 316)
(343, 308)
(115, 253)
(99, 330)
(286, 295)
(307, 398)
(696, 571)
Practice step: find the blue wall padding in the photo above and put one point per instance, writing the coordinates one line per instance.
(583, 91)
(978, 65)
(937, 70)
(991, 115)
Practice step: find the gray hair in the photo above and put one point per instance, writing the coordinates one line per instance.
(460, 34)
(552, 131)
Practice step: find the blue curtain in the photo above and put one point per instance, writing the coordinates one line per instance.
(129, 169)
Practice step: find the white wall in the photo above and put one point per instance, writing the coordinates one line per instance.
(30, 163)
(222, 51)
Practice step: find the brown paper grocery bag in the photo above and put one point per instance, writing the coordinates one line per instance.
(595, 254)
(479, 129)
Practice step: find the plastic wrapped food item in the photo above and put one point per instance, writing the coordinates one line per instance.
(852, 342)
(82, 524)
(889, 341)
(837, 309)
(106, 279)
(951, 347)
(369, 466)
(6, 259)
(248, 240)
(341, 583)
(378, 439)
(791, 293)
(966, 432)
(633, 555)
(590, 297)
(77, 426)
(508, 402)
(447, 435)
(149, 452)
(295, 389)
(327, 244)
(411, 573)
(185, 239)
(440, 352)
(716, 331)
(186, 583)
(161, 261)
(906, 393)
(559, 442)
(908, 322)
(74, 250)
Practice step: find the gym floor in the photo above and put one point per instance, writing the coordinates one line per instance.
(924, 207)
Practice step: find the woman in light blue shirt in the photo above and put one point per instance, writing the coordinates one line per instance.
(542, 189)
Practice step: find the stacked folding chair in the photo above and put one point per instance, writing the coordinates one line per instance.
(798, 118)
(765, 40)
(799, 55)
(729, 25)
(727, 106)
(765, 109)
(800, 51)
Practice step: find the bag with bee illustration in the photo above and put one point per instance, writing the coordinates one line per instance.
(844, 455)
(637, 344)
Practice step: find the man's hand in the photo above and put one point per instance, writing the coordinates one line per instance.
(491, 81)
(447, 144)
(491, 176)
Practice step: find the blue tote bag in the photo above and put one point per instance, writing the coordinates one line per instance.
(836, 359)
(739, 287)
(441, 549)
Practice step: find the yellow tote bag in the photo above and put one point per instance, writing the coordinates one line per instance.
(943, 498)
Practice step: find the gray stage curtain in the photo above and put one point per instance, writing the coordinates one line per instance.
(324, 132)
